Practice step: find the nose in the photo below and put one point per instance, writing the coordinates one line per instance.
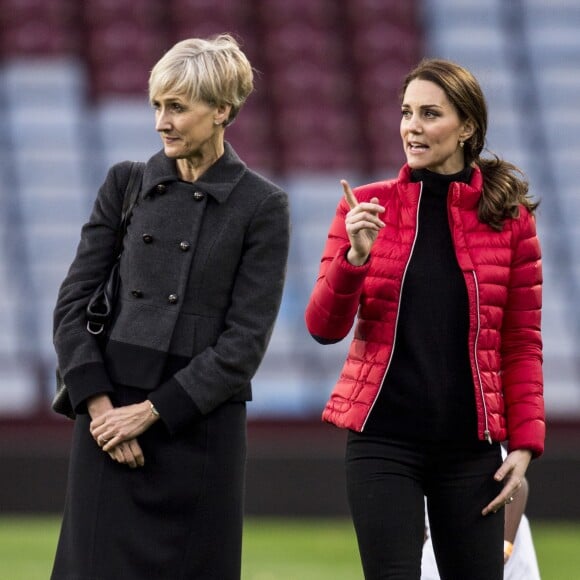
(413, 124)
(161, 121)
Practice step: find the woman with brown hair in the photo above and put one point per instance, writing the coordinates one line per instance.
(441, 268)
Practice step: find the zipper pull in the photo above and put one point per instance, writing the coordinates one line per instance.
(487, 436)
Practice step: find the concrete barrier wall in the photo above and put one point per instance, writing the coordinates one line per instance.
(293, 470)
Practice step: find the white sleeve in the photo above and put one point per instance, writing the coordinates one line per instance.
(523, 564)
(428, 564)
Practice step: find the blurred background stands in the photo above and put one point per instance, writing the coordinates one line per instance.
(73, 82)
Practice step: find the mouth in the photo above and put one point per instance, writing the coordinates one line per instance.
(416, 147)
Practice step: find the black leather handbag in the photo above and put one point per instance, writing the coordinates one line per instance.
(101, 304)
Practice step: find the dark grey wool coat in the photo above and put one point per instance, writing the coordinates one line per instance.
(202, 272)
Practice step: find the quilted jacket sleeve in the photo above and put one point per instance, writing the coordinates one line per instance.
(334, 302)
(522, 343)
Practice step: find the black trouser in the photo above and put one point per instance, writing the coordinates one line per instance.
(387, 481)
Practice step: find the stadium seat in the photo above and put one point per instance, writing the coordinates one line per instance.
(279, 13)
(120, 56)
(379, 42)
(251, 135)
(199, 10)
(308, 81)
(38, 28)
(103, 13)
(362, 13)
(301, 42)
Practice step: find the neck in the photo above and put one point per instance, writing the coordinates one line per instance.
(427, 175)
(192, 168)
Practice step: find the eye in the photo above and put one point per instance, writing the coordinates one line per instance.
(405, 113)
(430, 114)
(177, 107)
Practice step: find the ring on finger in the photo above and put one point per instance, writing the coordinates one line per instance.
(510, 499)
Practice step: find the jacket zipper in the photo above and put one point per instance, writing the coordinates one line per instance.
(398, 309)
(486, 432)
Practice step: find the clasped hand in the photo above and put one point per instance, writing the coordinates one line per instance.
(115, 430)
(363, 225)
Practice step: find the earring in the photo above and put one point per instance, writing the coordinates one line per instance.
(216, 123)
(461, 144)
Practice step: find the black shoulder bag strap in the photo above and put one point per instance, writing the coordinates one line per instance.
(101, 304)
(130, 198)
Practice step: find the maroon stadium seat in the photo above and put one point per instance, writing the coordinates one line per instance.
(38, 28)
(279, 13)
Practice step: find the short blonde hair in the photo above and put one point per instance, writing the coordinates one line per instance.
(213, 70)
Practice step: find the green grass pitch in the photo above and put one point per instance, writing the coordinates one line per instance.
(277, 549)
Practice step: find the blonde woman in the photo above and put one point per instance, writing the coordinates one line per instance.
(157, 468)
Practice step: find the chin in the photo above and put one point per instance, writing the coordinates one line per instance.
(416, 164)
(173, 154)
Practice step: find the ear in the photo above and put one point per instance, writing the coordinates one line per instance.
(222, 114)
(468, 130)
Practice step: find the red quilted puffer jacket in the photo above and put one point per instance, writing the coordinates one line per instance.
(503, 275)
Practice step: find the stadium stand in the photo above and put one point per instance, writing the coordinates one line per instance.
(73, 80)
(73, 87)
(524, 54)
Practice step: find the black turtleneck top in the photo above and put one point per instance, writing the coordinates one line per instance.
(428, 392)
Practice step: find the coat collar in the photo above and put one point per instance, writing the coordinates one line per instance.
(466, 195)
(218, 181)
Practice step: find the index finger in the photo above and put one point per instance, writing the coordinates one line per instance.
(348, 194)
(499, 501)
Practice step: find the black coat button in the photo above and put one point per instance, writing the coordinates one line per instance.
(184, 246)
(198, 196)
(137, 293)
(161, 188)
(147, 238)
(172, 299)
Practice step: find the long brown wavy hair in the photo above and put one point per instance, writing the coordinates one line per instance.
(504, 185)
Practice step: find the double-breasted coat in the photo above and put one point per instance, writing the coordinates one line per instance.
(202, 272)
